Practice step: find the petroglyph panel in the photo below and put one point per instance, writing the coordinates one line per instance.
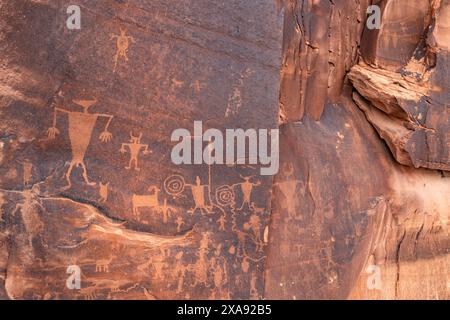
(89, 182)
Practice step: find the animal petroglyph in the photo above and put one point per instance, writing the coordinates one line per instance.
(135, 146)
(103, 191)
(81, 125)
(103, 265)
(122, 44)
(149, 201)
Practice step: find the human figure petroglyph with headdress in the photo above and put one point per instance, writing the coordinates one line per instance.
(135, 146)
(81, 125)
(122, 44)
(247, 188)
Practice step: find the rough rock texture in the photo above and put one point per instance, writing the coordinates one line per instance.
(73, 112)
(86, 177)
(408, 89)
(348, 220)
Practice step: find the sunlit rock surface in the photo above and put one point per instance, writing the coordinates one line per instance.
(358, 210)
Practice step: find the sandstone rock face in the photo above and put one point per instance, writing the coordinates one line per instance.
(358, 209)
(409, 102)
(87, 177)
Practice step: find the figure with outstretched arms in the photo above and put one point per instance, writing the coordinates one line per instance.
(81, 125)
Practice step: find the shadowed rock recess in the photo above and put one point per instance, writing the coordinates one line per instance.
(359, 208)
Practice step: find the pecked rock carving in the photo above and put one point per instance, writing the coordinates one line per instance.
(359, 208)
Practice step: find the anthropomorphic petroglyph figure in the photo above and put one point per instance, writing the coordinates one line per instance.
(103, 191)
(235, 98)
(179, 223)
(166, 211)
(289, 190)
(247, 188)
(122, 44)
(149, 201)
(27, 172)
(135, 148)
(219, 269)
(179, 271)
(81, 125)
(103, 265)
(201, 266)
(198, 194)
(222, 220)
(29, 211)
(255, 226)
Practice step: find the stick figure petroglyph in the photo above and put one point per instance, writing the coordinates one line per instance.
(122, 44)
(81, 125)
(135, 146)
